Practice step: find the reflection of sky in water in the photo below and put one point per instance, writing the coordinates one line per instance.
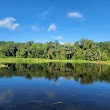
(65, 93)
(5, 96)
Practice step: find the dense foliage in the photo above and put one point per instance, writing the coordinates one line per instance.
(81, 50)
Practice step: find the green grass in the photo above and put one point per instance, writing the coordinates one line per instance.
(35, 60)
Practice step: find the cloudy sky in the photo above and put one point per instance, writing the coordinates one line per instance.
(49, 20)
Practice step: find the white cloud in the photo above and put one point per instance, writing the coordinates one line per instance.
(52, 27)
(44, 14)
(57, 37)
(37, 28)
(9, 23)
(75, 15)
(62, 43)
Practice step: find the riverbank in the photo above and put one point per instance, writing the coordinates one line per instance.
(34, 60)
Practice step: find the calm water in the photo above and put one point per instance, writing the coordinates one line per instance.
(55, 86)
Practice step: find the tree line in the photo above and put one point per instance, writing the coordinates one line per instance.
(84, 49)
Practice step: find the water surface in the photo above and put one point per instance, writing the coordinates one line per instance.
(55, 86)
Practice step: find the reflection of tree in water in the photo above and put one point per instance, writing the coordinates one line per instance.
(85, 73)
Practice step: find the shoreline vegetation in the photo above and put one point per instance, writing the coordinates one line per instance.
(80, 51)
(83, 51)
(36, 60)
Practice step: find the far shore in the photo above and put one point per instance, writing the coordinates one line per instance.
(36, 60)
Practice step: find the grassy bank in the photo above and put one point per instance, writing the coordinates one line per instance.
(33, 60)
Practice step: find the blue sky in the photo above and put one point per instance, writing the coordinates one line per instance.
(49, 20)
